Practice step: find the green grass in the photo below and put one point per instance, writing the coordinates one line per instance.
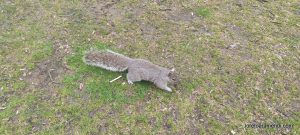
(204, 12)
(238, 62)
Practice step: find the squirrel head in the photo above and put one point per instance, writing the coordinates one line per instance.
(173, 77)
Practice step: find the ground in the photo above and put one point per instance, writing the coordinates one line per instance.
(238, 62)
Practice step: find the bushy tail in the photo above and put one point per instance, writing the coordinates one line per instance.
(107, 59)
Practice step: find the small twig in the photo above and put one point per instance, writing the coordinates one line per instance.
(49, 73)
(165, 9)
(276, 22)
(115, 79)
(67, 15)
(66, 66)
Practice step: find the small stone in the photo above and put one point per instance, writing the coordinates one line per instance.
(233, 46)
(233, 132)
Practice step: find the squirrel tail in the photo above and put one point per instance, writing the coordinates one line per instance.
(107, 59)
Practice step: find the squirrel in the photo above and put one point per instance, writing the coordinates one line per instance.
(138, 69)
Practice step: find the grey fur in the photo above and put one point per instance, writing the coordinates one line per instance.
(138, 69)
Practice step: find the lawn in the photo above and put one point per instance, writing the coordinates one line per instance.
(238, 62)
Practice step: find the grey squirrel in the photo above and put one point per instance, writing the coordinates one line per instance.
(138, 69)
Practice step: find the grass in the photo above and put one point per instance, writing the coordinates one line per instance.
(238, 62)
(204, 12)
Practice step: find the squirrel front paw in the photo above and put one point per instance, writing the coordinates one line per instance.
(168, 89)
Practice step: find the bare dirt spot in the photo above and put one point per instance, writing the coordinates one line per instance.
(49, 72)
(125, 25)
(180, 16)
(196, 93)
(45, 79)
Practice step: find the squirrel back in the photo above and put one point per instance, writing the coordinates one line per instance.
(107, 59)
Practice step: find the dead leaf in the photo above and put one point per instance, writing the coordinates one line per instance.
(80, 86)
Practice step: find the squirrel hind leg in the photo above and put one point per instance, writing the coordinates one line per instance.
(129, 82)
(131, 78)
